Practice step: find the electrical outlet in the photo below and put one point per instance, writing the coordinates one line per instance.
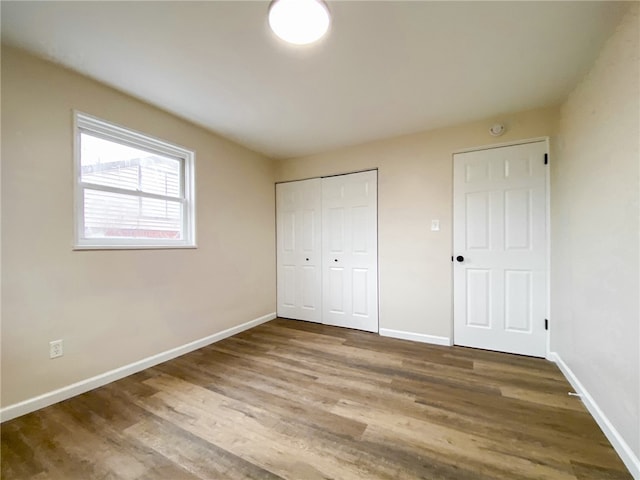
(55, 349)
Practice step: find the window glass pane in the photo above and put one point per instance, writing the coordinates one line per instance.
(108, 163)
(115, 215)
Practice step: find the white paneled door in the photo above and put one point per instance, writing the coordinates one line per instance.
(350, 251)
(500, 249)
(327, 245)
(299, 285)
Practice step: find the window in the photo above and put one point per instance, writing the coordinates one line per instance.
(132, 191)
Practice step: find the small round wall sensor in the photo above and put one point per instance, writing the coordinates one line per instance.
(497, 129)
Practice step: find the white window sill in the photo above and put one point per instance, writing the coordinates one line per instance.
(133, 247)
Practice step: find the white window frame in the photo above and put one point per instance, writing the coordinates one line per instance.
(110, 131)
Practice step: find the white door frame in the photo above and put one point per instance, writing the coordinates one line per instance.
(547, 221)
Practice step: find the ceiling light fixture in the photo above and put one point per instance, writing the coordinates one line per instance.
(299, 21)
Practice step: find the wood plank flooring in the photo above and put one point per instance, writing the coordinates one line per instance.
(295, 400)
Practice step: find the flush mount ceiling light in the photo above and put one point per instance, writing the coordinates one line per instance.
(299, 21)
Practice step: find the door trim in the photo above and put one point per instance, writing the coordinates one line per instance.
(500, 145)
(376, 169)
(546, 140)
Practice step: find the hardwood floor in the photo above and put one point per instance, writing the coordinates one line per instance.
(303, 401)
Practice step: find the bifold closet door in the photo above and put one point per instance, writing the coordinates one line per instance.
(350, 251)
(299, 276)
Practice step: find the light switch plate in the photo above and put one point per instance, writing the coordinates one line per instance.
(435, 225)
(56, 349)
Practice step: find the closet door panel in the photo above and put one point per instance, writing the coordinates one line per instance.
(349, 251)
(299, 287)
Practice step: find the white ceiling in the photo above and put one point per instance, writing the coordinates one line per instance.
(384, 69)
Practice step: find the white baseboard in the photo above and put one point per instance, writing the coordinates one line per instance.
(416, 337)
(623, 449)
(44, 400)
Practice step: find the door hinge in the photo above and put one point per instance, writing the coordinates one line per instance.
(546, 324)
(546, 158)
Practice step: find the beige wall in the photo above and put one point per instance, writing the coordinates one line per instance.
(116, 307)
(595, 259)
(415, 186)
